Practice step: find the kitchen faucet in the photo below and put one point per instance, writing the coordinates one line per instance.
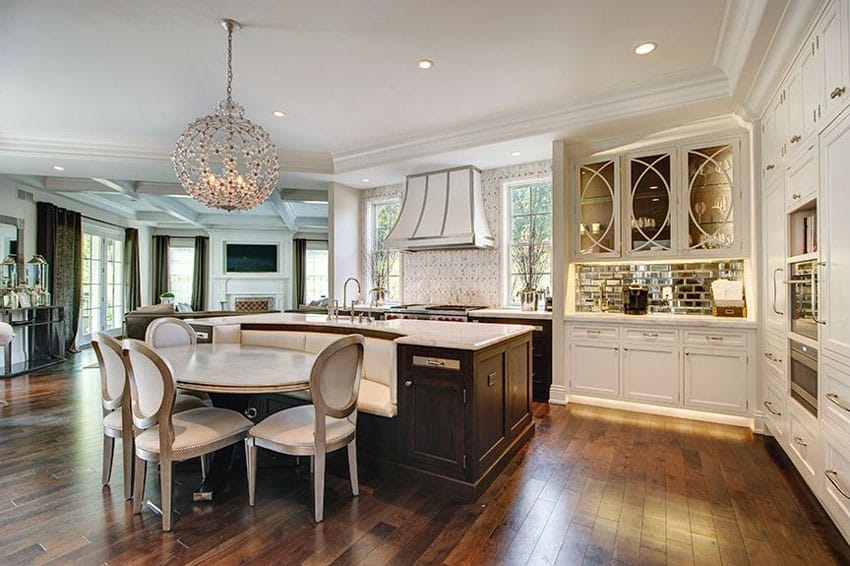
(345, 294)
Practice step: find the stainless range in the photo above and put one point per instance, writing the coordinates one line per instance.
(455, 313)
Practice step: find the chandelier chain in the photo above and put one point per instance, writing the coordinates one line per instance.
(229, 63)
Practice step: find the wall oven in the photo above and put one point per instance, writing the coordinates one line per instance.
(804, 376)
(803, 284)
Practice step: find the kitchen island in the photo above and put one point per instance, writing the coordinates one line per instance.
(458, 399)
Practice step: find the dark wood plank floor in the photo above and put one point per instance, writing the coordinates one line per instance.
(594, 486)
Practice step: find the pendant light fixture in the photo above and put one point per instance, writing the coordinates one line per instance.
(224, 160)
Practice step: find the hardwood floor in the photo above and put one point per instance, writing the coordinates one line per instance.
(594, 486)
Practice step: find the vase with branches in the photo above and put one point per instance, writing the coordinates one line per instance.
(531, 263)
(380, 266)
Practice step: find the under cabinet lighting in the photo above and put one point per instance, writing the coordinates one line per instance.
(645, 48)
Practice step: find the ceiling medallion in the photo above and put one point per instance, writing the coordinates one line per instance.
(224, 160)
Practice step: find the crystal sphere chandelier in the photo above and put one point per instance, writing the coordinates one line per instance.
(224, 160)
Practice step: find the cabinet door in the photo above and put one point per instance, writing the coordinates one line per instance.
(794, 103)
(775, 414)
(651, 374)
(781, 121)
(435, 421)
(488, 419)
(774, 224)
(769, 159)
(595, 370)
(650, 204)
(716, 380)
(833, 43)
(834, 241)
(598, 208)
(801, 178)
(811, 73)
(711, 197)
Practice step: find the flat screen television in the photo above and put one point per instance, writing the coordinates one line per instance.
(251, 258)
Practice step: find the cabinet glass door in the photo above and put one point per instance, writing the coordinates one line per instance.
(650, 203)
(710, 198)
(598, 211)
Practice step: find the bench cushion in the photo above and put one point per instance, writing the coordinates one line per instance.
(374, 399)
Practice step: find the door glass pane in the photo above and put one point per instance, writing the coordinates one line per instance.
(596, 221)
(710, 214)
(650, 203)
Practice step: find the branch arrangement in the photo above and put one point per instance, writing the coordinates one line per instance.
(381, 263)
(531, 258)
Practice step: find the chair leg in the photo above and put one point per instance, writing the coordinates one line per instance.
(251, 462)
(127, 449)
(139, 485)
(7, 358)
(204, 466)
(108, 449)
(352, 467)
(166, 467)
(319, 485)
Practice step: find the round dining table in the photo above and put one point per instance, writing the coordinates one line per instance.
(239, 368)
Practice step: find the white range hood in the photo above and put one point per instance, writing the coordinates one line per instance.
(442, 210)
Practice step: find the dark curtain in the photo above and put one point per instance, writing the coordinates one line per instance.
(159, 259)
(299, 269)
(132, 273)
(199, 273)
(59, 238)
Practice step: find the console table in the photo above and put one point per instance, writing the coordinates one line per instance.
(39, 337)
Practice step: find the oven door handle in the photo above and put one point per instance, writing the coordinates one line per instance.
(815, 313)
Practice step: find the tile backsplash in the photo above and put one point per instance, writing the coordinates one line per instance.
(689, 284)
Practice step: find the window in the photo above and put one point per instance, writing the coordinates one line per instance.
(385, 263)
(529, 237)
(316, 271)
(181, 268)
(102, 307)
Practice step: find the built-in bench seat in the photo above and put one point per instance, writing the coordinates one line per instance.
(378, 384)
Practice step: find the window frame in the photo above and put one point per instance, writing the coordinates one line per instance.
(506, 240)
(181, 242)
(106, 234)
(371, 217)
(317, 246)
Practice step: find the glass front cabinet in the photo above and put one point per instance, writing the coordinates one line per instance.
(669, 202)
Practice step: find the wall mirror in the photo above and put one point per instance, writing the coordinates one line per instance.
(12, 241)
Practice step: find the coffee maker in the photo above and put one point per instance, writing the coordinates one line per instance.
(635, 299)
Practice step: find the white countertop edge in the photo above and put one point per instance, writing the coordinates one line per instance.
(510, 312)
(661, 319)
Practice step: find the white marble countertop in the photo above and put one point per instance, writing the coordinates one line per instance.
(439, 334)
(662, 319)
(511, 312)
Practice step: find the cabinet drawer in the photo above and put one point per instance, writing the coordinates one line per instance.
(773, 407)
(774, 356)
(723, 338)
(835, 396)
(595, 332)
(775, 379)
(650, 336)
(436, 362)
(802, 443)
(836, 479)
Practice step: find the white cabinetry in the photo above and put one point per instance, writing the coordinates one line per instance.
(836, 482)
(833, 43)
(801, 177)
(773, 234)
(802, 443)
(651, 374)
(595, 369)
(716, 380)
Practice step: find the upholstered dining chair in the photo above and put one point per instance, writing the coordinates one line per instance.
(170, 331)
(115, 401)
(166, 437)
(7, 334)
(329, 424)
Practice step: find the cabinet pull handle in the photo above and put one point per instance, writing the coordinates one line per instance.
(800, 441)
(769, 406)
(837, 400)
(832, 476)
(796, 196)
(687, 353)
(775, 271)
(491, 379)
(714, 338)
(836, 92)
(408, 383)
(431, 362)
(650, 334)
(624, 349)
(251, 412)
(591, 331)
(795, 138)
(770, 167)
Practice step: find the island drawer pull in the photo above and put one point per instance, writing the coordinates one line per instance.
(800, 442)
(832, 476)
(251, 412)
(441, 363)
(837, 400)
(650, 334)
(769, 406)
(491, 379)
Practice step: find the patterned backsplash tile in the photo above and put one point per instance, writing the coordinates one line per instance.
(689, 284)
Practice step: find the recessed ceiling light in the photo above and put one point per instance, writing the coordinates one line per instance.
(645, 48)
(58, 168)
(279, 114)
(516, 153)
(425, 63)
(364, 180)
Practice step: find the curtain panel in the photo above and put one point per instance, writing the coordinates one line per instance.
(199, 273)
(159, 259)
(59, 238)
(299, 270)
(132, 272)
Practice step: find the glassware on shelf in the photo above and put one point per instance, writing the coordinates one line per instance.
(9, 272)
(597, 196)
(710, 214)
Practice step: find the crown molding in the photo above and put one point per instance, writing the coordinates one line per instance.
(675, 90)
(796, 21)
(738, 30)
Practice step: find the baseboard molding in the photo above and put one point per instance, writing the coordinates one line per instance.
(734, 420)
(558, 395)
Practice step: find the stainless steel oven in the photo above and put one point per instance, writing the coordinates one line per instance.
(804, 376)
(803, 284)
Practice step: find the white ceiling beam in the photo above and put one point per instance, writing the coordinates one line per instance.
(154, 217)
(302, 195)
(73, 185)
(172, 208)
(282, 210)
(151, 188)
(312, 222)
(97, 201)
(120, 187)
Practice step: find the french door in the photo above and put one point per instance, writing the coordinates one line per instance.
(102, 308)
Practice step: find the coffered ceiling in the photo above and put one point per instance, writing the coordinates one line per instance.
(103, 88)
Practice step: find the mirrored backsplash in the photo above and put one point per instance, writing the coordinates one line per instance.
(675, 288)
